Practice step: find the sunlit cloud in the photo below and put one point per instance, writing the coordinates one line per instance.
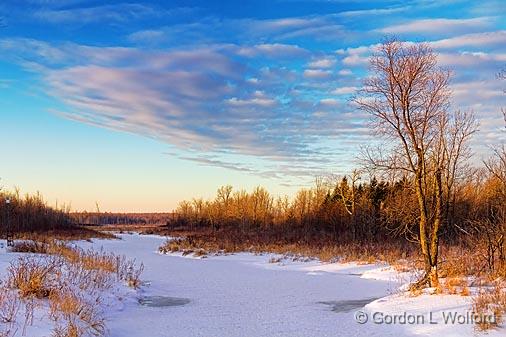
(317, 73)
(495, 38)
(250, 94)
(325, 62)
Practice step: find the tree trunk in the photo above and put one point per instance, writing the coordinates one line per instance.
(428, 243)
(434, 240)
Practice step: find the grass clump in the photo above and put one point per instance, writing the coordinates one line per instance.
(489, 307)
(76, 315)
(70, 280)
(34, 275)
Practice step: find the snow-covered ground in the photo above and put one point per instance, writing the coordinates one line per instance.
(245, 295)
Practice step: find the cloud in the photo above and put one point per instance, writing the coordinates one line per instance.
(486, 100)
(317, 73)
(325, 62)
(205, 100)
(246, 94)
(356, 56)
(355, 59)
(323, 32)
(266, 31)
(373, 12)
(257, 99)
(474, 60)
(440, 25)
(211, 161)
(282, 24)
(116, 12)
(344, 90)
(330, 102)
(272, 50)
(149, 36)
(323, 27)
(345, 72)
(497, 38)
(458, 59)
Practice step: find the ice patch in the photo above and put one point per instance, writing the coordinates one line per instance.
(348, 305)
(163, 301)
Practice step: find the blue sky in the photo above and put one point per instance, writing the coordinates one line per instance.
(137, 105)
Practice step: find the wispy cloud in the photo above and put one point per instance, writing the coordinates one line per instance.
(495, 38)
(147, 36)
(272, 50)
(474, 60)
(256, 94)
(269, 31)
(373, 12)
(439, 25)
(200, 100)
(117, 12)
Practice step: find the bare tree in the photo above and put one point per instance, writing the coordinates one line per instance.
(408, 97)
(494, 227)
(496, 164)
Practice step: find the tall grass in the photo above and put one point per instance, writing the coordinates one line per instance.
(71, 281)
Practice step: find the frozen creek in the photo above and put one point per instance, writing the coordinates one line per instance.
(243, 295)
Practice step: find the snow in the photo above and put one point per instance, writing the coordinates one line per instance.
(245, 295)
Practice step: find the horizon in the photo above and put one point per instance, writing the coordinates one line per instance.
(139, 105)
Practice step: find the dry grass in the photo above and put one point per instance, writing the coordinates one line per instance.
(71, 279)
(203, 243)
(491, 304)
(75, 315)
(74, 233)
(456, 285)
(138, 228)
(35, 247)
(9, 305)
(459, 261)
(8, 332)
(34, 275)
(80, 261)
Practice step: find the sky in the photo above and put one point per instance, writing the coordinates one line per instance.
(138, 105)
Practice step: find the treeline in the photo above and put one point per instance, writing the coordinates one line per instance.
(108, 218)
(30, 213)
(349, 210)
